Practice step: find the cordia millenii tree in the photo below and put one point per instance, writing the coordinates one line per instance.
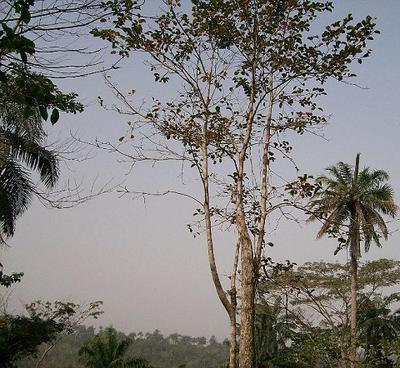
(249, 73)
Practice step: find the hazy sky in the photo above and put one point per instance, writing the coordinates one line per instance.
(139, 257)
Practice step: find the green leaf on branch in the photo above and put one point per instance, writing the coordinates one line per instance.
(55, 115)
(43, 112)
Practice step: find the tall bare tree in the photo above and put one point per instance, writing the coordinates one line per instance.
(249, 73)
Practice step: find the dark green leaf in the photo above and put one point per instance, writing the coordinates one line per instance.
(54, 116)
(43, 112)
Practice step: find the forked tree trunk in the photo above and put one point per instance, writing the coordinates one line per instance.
(229, 305)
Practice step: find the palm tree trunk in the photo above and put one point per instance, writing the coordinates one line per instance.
(353, 317)
(354, 252)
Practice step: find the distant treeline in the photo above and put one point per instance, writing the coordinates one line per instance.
(161, 351)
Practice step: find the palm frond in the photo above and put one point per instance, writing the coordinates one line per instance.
(33, 155)
(15, 195)
(333, 221)
(346, 190)
(379, 176)
(342, 172)
(108, 350)
(13, 119)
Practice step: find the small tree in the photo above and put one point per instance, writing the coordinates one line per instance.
(352, 201)
(24, 336)
(68, 315)
(249, 73)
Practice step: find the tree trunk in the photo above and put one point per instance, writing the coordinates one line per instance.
(233, 342)
(247, 291)
(232, 314)
(343, 361)
(353, 317)
(230, 306)
(354, 253)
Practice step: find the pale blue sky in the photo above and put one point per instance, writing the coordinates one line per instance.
(139, 258)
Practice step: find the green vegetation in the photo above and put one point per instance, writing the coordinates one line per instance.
(159, 351)
(302, 320)
(351, 202)
(312, 308)
(22, 143)
(106, 350)
(249, 75)
(21, 336)
(27, 98)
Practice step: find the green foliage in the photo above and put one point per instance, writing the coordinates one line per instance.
(316, 348)
(21, 336)
(379, 329)
(354, 199)
(24, 336)
(30, 91)
(8, 280)
(350, 202)
(314, 300)
(160, 351)
(21, 148)
(272, 331)
(107, 350)
(26, 99)
(68, 314)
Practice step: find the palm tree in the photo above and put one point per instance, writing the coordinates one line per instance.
(354, 200)
(272, 331)
(21, 151)
(106, 350)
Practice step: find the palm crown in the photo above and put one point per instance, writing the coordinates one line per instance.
(355, 199)
(106, 350)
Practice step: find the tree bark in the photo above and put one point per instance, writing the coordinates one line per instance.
(232, 315)
(232, 342)
(354, 253)
(230, 306)
(353, 317)
(247, 291)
